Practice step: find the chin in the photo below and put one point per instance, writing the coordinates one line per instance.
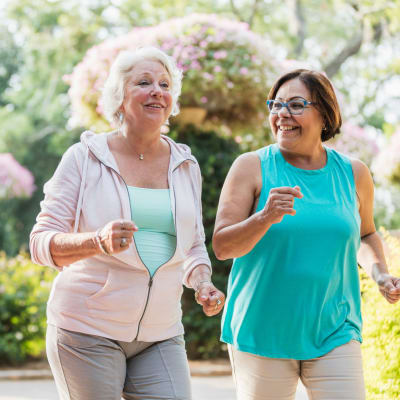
(290, 140)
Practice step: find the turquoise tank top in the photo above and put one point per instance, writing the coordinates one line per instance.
(156, 238)
(296, 294)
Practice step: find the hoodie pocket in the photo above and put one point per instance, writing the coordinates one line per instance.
(120, 299)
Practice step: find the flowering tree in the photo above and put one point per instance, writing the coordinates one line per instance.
(357, 142)
(386, 167)
(227, 69)
(15, 180)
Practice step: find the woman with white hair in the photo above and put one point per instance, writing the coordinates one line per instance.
(121, 220)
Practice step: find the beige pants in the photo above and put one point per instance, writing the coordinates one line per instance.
(337, 375)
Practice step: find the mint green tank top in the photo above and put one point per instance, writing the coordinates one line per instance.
(296, 294)
(156, 238)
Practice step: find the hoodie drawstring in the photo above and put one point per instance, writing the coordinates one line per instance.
(81, 190)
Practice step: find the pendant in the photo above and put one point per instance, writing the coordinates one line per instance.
(141, 156)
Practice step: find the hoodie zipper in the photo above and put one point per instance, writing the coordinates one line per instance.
(176, 231)
(176, 246)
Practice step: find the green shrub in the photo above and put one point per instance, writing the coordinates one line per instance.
(381, 333)
(24, 289)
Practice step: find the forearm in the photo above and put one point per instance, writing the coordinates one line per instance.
(67, 248)
(371, 256)
(239, 239)
(199, 274)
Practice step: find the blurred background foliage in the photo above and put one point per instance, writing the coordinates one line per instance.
(24, 289)
(381, 332)
(356, 42)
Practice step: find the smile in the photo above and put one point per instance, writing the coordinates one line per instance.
(155, 106)
(287, 128)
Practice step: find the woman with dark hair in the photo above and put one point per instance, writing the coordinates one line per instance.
(297, 216)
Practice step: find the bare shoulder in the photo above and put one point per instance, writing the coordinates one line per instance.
(362, 175)
(246, 170)
(247, 161)
(249, 158)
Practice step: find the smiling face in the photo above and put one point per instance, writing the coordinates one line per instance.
(298, 133)
(147, 95)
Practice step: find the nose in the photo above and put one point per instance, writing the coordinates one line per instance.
(284, 111)
(156, 90)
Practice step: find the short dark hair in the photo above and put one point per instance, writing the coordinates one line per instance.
(322, 94)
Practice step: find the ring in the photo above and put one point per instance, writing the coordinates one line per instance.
(217, 304)
(123, 242)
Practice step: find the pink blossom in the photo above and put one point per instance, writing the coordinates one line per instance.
(204, 99)
(186, 39)
(357, 142)
(195, 65)
(15, 180)
(218, 55)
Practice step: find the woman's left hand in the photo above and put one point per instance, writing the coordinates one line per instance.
(389, 286)
(210, 298)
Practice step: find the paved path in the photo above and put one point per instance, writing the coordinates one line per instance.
(204, 388)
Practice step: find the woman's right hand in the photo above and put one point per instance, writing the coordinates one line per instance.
(117, 235)
(280, 202)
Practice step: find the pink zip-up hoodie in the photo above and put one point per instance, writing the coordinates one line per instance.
(114, 296)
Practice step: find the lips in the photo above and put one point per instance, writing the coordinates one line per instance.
(154, 106)
(287, 128)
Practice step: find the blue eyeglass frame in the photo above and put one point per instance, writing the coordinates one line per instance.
(305, 102)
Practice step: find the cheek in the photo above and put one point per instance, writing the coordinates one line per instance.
(135, 96)
(272, 120)
(168, 98)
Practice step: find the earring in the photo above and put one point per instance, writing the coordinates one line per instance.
(121, 117)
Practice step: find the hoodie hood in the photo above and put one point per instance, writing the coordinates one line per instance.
(98, 145)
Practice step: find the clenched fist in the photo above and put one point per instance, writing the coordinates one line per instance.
(280, 202)
(116, 236)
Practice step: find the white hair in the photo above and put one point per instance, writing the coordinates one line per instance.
(114, 87)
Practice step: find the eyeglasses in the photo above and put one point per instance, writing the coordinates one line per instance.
(295, 106)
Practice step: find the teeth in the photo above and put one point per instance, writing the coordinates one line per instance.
(287, 128)
(154, 105)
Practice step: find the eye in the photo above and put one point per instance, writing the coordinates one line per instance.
(164, 85)
(296, 105)
(276, 105)
(143, 83)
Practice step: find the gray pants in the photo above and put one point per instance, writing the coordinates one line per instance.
(88, 367)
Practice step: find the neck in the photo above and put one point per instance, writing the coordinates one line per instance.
(140, 142)
(314, 158)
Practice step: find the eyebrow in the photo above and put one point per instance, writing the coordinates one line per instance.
(292, 98)
(148, 75)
